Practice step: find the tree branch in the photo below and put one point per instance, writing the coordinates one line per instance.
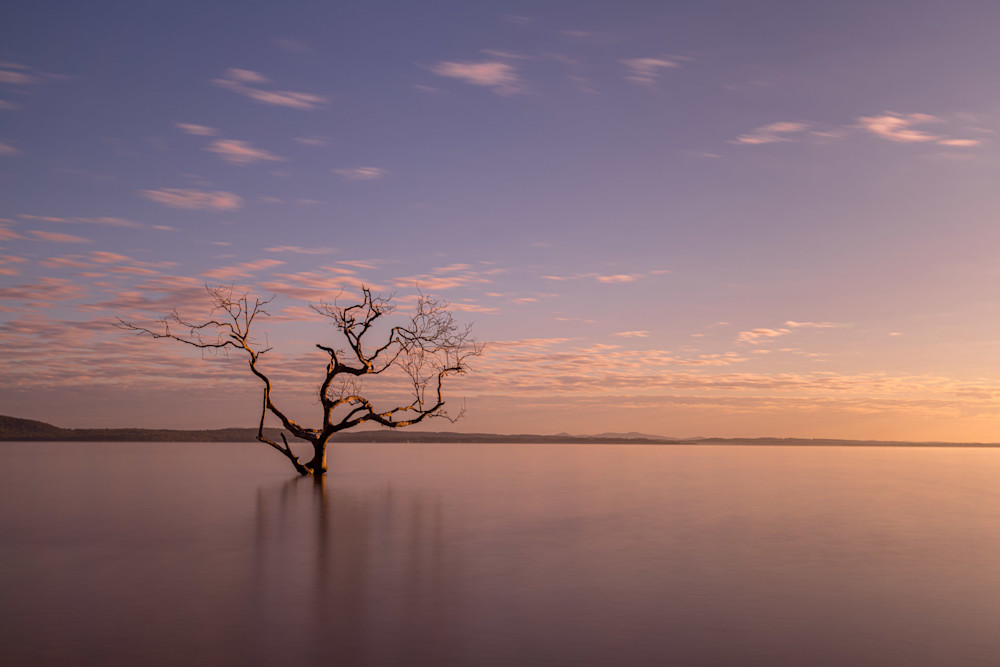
(427, 348)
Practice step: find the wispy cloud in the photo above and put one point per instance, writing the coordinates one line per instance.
(295, 46)
(243, 270)
(903, 128)
(112, 222)
(8, 234)
(900, 127)
(960, 143)
(241, 153)
(891, 126)
(107, 221)
(500, 76)
(218, 200)
(312, 141)
(756, 336)
(773, 132)
(248, 83)
(446, 277)
(103, 260)
(15, 77)
(812, 325)
(507, 55)
(301, 250)
(646, 71)
(7, 149)
(612, 278)
(16, 74)
(618, 278)
(44, 218)
(633, 334)
(359, 264)
(105, 257)
(198, 130)
(57, 237)
(45, 292)
(471, 308)
(361, 173)
(328, 284)
(7, 263)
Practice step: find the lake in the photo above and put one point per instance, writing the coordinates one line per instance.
(499, 555)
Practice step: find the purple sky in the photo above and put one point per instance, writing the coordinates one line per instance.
(685, 218)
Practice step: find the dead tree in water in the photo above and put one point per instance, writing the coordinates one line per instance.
(427, 348)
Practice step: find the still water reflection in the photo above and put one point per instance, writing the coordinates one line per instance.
(208, 554)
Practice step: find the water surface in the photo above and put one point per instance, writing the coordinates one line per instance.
(212, 554)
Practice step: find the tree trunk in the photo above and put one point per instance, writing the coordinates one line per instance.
(318, 463)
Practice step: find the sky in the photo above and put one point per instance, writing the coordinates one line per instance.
(691, 218)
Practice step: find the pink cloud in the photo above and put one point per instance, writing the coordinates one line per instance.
(311, 141)
(610, 278)
(17, 78)
(471, 308)
(499, 76)
(243, 82)
(112, 222)
(452, 277)
(361, 173)
(18, 75)
(44, 293)
(900, 127)
(198, 130)
(43, 218)
(194, 199)
(646, 70)
(72, 262)
(771, 133)
(103, 257)
(105, 220)
(617, 278)
(135, 270)
(7, 262)
(238, 152)
(330, 283)
(244, 270)
(7, 234)
(960, 143)
(317, 250)
(812, 325)
(245, 76)
(755, 336)
(57, 237)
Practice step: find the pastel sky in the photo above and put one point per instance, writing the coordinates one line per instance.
(728, 218)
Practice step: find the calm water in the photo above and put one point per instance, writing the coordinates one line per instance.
(211, 554)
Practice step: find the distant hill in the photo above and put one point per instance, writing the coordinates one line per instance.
(832, 442)
(12, 428)
(16, 429)
(29, 430)
(631, 435)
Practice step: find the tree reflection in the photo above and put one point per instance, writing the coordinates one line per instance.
(356, 576)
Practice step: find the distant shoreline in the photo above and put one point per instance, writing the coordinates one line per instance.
(14, 429)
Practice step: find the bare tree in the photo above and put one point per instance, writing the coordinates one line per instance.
(426, 348)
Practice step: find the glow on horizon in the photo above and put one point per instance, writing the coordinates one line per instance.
(702, 222)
